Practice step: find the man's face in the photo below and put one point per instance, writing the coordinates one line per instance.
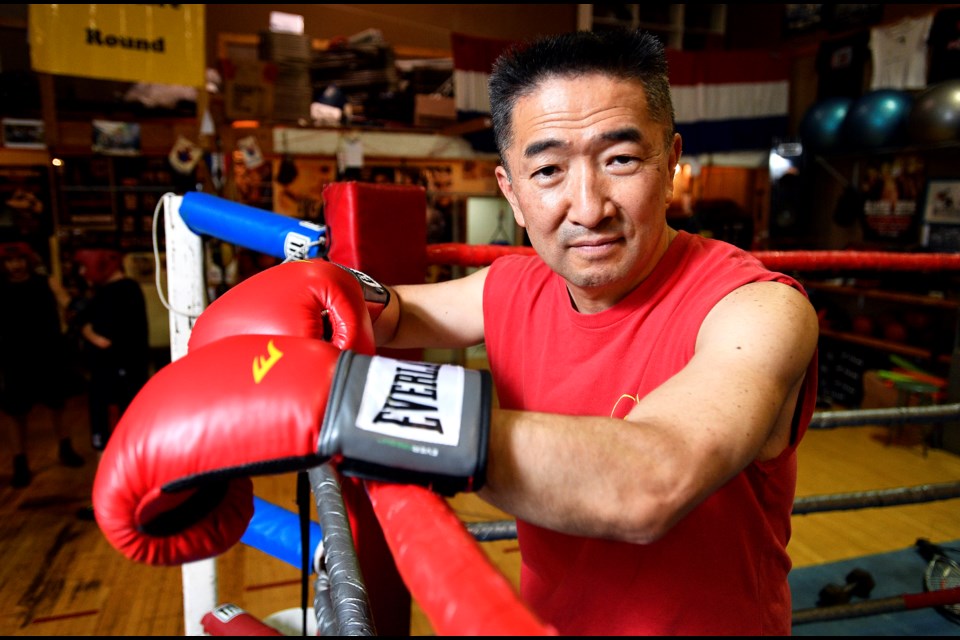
(590, 181)
(16, 268)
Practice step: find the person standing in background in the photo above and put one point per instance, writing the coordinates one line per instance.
(33, 359)
(114, 327)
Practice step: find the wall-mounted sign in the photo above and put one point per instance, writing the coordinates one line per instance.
(163, 43)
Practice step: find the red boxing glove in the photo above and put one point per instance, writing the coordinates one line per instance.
(173, 484)
(309, 298)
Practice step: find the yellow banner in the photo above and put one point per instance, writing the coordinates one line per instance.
(162, 43)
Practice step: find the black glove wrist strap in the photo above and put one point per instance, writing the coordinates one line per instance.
(373, 291)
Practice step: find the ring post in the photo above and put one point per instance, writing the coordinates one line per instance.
(184, 251)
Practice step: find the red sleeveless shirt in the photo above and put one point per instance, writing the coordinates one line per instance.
(723, 568)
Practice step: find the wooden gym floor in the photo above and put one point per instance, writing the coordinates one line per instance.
(58, 576)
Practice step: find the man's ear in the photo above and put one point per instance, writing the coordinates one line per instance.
(506, 187)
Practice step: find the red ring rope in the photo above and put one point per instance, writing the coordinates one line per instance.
(480, 255)
(852, 260)
(447, 572)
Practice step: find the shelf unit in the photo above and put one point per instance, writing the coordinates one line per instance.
(885, 345)
(863, 324)
(113, 196)
(893, 346)
(893, 296)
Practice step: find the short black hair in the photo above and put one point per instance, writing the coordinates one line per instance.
(620, 53)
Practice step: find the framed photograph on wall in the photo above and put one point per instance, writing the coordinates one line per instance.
(19, 133)
(892, 189)
(941, 216)
(800, 18)
(942, 202)
(116, 138)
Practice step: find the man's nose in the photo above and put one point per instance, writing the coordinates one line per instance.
(589, 200)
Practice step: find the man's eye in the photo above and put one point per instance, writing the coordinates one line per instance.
(622, 160)
(545, 172)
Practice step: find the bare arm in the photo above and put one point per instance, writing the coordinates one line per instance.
(633, 479)
(446, 314)
(94, 338)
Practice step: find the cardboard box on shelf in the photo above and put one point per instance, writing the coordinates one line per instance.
(877, 392)
(434, 111)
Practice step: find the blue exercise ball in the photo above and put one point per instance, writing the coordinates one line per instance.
(935, 116)
(820, 125)
(877, 119)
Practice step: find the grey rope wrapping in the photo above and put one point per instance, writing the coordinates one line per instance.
(894, 415)
(340, 597)
(880, 498)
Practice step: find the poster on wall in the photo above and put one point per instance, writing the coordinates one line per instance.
(252, 185)
(24, 207)
(891, 188)
(298, 187)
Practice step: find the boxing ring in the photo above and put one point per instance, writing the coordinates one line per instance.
(443, 566)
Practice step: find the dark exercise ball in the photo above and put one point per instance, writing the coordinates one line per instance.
(820, 126)
(877, 119)
(935, 116)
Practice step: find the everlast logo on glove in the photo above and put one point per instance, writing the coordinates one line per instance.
(261, 364)
(401, 399)
(412, 400)
(405, 421)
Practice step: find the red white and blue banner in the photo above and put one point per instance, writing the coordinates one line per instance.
(729, 101)
(473, 59)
